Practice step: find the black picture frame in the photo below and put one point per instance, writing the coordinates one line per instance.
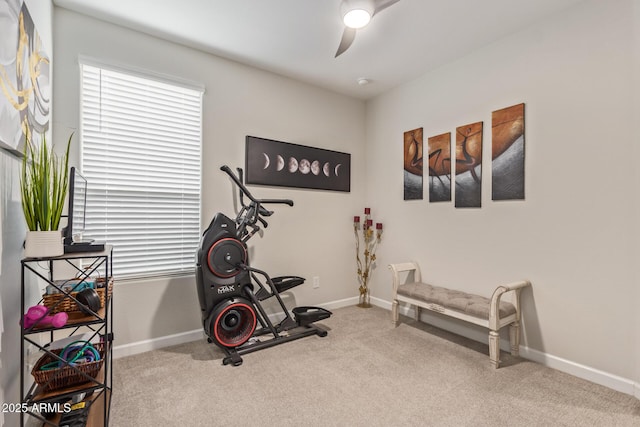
(277, 163)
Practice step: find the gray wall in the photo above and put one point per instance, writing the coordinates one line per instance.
(575, 234)
(310, 239)
(13, 232)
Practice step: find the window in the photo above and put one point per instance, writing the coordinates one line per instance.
(141, 142)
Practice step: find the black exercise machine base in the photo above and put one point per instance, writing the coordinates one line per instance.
(233, 354)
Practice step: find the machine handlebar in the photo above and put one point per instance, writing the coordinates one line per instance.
(244, 190)
(250, 214)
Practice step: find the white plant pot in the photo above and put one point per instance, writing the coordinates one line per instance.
(41, 244)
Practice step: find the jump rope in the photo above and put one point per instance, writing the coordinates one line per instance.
(74, 354)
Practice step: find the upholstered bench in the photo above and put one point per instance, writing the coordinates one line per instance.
(491, 313)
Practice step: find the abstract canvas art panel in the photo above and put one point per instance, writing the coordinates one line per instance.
(468, 178)
(507, 153)
(269, 162)
(439, 148)
(24, 78)
(413, 164)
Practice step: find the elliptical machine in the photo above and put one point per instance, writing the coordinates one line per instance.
(230, 291)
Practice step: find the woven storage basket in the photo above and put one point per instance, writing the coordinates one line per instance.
(68, 305)
(65, 376)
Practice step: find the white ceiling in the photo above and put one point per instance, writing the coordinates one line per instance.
(299, 38)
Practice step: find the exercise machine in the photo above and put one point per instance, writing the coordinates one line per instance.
(231, 292)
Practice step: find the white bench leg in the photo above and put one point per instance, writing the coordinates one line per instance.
(395, 318)
(514, 338)
(494, 349)
(416, 313)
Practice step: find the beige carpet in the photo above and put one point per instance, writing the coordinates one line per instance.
(364, 373)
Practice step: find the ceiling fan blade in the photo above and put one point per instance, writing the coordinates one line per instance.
(383, 4)
(347, 38)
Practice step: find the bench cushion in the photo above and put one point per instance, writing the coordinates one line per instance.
(470, 304)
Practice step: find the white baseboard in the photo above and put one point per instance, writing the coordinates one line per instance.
(334, 305)
(588, 373)
(596, 376)
(198, 334)
(156, 343)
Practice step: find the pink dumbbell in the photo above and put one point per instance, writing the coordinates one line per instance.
(38, 314)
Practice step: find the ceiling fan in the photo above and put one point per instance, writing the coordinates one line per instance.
(356, 14)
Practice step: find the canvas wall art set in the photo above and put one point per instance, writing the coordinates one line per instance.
(460, 167)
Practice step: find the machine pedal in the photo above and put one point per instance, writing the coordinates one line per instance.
(307, 315)
(284, 283)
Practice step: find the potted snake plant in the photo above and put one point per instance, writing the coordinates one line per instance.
(43, 184)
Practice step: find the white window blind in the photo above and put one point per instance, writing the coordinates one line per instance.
(141, 145)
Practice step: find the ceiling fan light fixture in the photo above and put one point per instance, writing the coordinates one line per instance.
(356, 13)
(356, 18)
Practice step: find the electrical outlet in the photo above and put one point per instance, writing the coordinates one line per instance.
(316, 282)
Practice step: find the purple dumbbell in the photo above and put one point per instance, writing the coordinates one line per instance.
(38, 314)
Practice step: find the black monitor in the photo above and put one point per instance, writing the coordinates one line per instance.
(76, 208)
(74, 241)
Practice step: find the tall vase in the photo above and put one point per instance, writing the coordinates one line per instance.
(364, 301)
(39, 244)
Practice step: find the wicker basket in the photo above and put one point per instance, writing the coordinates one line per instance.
(68, 305)
(65, 376)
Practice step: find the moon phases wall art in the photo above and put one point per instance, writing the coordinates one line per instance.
(439, 148)
(269, 162)
(413, 179)
(469, 165)
(507, 153)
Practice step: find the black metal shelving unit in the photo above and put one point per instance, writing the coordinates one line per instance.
(39, 401)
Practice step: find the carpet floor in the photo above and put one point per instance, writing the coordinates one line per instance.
(364, 373)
